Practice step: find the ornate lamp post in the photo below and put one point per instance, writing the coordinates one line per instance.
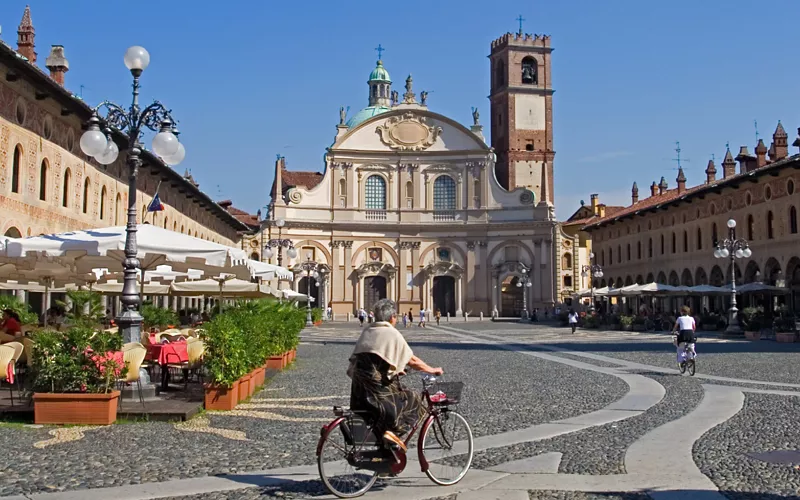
(279, 243)
(735, 249)
(97, 142)
(591, 271)
(313, 270)
(524, 282)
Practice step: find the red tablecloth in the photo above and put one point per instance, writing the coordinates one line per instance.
(174, 352)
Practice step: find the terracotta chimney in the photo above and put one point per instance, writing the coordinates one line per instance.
(26, 35)
(711, 172)
(728, 165)
(681, 180)
(601, 209)
(662, 186)
(654, 189)
(761, 154)
(594, 198)
(747, 162)
(634, 194)
(780, 141)
(57, 64)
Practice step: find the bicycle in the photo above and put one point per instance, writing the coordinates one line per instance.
(362, 450)
(689, 357)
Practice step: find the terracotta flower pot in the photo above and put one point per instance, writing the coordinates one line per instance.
(221, 398)
(244, 387)
(752, 335)
(258, 377)
(785, 337)
(294, 354)
(77, 408)
(251, 387)
(286, 360)
(275, 363)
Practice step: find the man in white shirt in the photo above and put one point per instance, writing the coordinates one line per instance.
(686, 327)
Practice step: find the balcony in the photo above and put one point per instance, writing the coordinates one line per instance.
(375, 215)
(444, 215)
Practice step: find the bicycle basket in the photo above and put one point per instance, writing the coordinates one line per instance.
(446, 393)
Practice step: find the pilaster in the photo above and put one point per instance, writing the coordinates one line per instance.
(348, 270)
(418, 287)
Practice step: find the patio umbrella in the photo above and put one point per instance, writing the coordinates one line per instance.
(708, 290)
(758, 288)
(114, 287)
(296, 296)
(223, 286)
(625, 290)
(267, 271)
(652, 288)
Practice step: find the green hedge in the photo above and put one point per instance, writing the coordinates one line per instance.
(242, 337)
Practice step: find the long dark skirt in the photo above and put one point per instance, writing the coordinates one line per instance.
(391, 406)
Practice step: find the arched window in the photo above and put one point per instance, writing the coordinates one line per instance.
(103, 193)
(639, 250)
(86, 196)
(175, 226)
(674, 243)
(375, 193)
(714, 238)
(166, 222)
(43, 180)
(619, 254)
(770, 225)
(793, 220)
(662, 244)
(342, 187)
(610, 255)
(15, 169)
(750, 227)
(685, 241)
(566, 261)
(118, 209)
(444, 193)
(530, 73)
(65, 194)
(628, 251)
(500, 74)
(699, 239)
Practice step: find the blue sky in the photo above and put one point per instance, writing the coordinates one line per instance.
(252, 79)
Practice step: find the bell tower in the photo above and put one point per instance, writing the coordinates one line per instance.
(522, 113)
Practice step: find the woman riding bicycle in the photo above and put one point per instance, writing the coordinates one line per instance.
(380, 355)
(685, 326)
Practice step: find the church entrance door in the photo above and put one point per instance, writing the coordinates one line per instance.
(374, 290)
(302, 287)
(444, 295)
(511, 298)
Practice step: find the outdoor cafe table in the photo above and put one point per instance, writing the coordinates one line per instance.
(164, 354)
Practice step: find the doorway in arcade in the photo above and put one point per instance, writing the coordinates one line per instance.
(512, 299)
(302, 287)
(444, 295)
(374, 290)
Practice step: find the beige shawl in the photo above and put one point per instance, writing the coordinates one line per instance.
(384, 340)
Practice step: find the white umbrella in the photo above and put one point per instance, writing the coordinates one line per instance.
(222, 286)
(114, 287)
(296, 296)
(757, 288)
(651, 288)
(105, 248)
(602, 292)
(625, 290)
(267, 271)
(708, 290)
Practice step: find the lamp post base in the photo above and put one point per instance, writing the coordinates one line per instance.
(130, 325)
(733, 327)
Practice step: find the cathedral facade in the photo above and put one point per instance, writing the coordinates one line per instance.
(414, 206)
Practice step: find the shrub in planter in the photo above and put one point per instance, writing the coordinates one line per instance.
(591, 321)
(84, 308)
(72, 378)
(626, 322)
(158, 317)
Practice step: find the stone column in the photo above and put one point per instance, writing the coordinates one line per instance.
(459, 296)
(416, 290)
(483, 269)
(546, 266)
(461, 202)
(335, 280)
(360, 292)
(348, 270)
(402, 270)
(415, 179)
(470, 273)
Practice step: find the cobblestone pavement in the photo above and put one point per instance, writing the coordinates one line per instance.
(505, 391)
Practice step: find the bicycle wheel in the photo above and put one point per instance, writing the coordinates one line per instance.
(338, 476)
(682, 367)
(448, 447)
(691, 367)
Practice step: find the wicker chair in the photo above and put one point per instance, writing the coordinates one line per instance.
(133, 354)
(7, 358)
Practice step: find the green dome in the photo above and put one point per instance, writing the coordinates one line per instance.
(379, 74)
(365, 114)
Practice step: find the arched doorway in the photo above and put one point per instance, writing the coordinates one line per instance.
(512, 300)
(444, 295)
(374, 290)
(793, 281)
(302, 287)
(13, 233)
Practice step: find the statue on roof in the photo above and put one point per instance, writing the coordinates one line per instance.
(395, 97)
(423, 96)
(342, 115)
(475, 117)
(409, 97)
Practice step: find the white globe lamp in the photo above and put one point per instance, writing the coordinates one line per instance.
(137, 59)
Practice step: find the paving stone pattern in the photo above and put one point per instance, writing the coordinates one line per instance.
(766, 423)
(601, 450)
(579, 495)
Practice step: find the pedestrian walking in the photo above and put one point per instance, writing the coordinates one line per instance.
(438, 317)
(405, 321)
(362, 315)
(422, 318)
(572, 317)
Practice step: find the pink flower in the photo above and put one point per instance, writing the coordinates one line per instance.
(83, 387)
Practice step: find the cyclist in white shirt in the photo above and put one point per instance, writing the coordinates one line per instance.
(685, 328)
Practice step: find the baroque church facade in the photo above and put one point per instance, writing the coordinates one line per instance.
(414, 206)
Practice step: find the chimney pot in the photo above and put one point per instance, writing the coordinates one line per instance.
(26, 35)
(653, 189)
(634, 194)
(57, 64)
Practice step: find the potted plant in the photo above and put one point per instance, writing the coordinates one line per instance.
(785, 327)
(158, 317)
(752, 319)
(73, 376)
(639, 323)
(626, 322)
(225, 361)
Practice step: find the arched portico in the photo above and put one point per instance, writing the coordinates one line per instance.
(443, 289)
(500, 282)
(376, 280)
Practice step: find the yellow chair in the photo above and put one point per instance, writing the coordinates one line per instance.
(133, 354)
(6, 358)
(195, 348)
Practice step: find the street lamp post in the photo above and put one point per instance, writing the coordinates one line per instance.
(524, 282)
(98, 143)
(591, 271)
(735, 249)
(279, 243)
(313, 270)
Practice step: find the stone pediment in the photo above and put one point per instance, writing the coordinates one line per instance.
(442, 268)
(408, 132)
(374, 268)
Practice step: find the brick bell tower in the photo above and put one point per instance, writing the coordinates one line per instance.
(522, 113)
